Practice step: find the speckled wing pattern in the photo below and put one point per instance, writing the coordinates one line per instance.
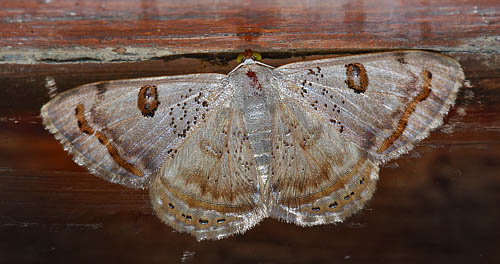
(301, 143)
(105, 129)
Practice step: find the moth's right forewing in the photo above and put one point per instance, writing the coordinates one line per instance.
(124, 130)
(383, 102)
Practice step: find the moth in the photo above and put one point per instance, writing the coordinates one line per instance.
(302, 142)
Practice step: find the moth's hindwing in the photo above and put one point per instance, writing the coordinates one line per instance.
(211, 187)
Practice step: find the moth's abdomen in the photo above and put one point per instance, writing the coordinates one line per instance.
(258, 127)
(252, 98)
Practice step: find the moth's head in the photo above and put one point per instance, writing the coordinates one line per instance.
(248, 54)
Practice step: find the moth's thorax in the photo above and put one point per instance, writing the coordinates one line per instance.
(253, 96)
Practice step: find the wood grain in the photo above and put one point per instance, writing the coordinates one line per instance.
(119, 30)
(437, 204)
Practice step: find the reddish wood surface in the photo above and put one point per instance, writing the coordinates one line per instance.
(437, 204)
(179, 27)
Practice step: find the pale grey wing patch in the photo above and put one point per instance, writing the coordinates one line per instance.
(317, 177)
(383, 102)
(210, 188)
(124, 130)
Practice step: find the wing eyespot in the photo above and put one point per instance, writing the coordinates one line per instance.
(356, 77)
(147, 100)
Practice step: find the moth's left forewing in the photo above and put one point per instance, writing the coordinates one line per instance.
(124, 130)
(382, 102)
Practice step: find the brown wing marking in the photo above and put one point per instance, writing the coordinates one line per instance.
(147, 100)
(357, 79)
(410, 108)
(84, 127)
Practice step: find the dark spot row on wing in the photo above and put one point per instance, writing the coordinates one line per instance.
(335, 205)
(184, 117)
(357, 73)
(187, 218)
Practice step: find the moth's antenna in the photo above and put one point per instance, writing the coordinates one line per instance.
(51, 86)
(249, 57)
